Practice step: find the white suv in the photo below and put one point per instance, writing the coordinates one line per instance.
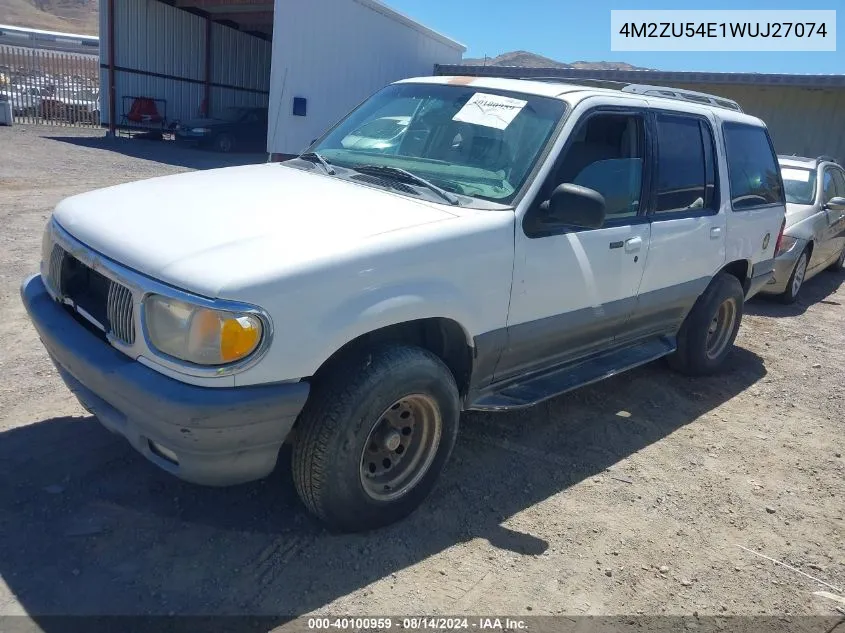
(521, 239)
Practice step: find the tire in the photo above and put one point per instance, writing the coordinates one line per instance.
(224, 143)
(796, 279)
(839, 265)
(701, 349)
(346, 427)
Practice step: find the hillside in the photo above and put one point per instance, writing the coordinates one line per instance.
(71, 16)
(532, 60)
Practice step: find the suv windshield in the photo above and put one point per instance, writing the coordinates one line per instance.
(473, 141)
(799, 184)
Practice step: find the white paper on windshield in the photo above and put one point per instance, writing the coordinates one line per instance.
(801, 175)
(490, 110)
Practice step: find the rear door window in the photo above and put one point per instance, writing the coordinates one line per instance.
(686, 170)
(752, 167)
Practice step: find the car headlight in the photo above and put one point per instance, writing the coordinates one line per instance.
(200, 130)
(198, 334)
(786, 244)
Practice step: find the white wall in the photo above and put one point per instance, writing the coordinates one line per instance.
(336, 53)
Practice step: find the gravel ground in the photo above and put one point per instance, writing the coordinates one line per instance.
(648, 493)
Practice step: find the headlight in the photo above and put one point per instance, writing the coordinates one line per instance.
(200, 130)
(200, 335)
(786, 244)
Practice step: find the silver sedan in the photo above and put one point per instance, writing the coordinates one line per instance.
(814, 235)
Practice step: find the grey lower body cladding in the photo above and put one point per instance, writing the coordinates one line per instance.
(212, 436)
(765, 272)
(530, 362)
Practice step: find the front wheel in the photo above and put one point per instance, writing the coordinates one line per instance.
(709, 331)
(374, 437)
(796, 279)
(224, 143)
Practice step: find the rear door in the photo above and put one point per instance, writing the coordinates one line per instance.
(687, 217)
(757, 202)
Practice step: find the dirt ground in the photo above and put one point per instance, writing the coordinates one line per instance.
(649, 493)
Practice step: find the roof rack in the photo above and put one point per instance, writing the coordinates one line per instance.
(647, 90)
(683, 95)
(586, 81)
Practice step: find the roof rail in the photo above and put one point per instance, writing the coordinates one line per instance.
(683, 95)
(827, 159)
(646, 90)
(585, 81)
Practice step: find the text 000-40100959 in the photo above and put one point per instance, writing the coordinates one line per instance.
(415, 623)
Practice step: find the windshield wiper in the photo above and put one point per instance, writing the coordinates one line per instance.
(405, 175)
(315, 156)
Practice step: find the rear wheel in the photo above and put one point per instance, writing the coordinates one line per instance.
(796, 279)
(709, 331)
(374, 437)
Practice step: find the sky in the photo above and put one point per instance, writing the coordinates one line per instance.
(579, 30)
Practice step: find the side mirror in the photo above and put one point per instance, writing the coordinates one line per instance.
(574, 205)
(836, 204)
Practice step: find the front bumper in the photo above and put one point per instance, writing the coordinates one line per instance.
(784, 264)
(190, 141)
(210, 436)
(187, 138)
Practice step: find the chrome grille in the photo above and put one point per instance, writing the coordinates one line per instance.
(120, 311)
(54, 270)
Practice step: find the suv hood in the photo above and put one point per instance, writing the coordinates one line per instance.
(191, 229)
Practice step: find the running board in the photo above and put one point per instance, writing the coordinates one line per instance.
(526, 391)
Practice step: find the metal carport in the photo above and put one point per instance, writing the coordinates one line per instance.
(198, 56)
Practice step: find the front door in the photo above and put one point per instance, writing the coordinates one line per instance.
(574, 288)
(830, 222)
(836, 219)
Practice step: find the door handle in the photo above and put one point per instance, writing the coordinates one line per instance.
(633, 244)
(715, 232)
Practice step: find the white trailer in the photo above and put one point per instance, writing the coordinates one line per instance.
(329, 55)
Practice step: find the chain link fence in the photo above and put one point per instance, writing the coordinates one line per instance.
(50, 87)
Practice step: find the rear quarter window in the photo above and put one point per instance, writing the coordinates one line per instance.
(753, 171)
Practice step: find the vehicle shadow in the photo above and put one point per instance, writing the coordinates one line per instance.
(819, 289)
(91, 528)
(163, 151)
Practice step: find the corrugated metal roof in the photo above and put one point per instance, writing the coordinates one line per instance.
(650, 76)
